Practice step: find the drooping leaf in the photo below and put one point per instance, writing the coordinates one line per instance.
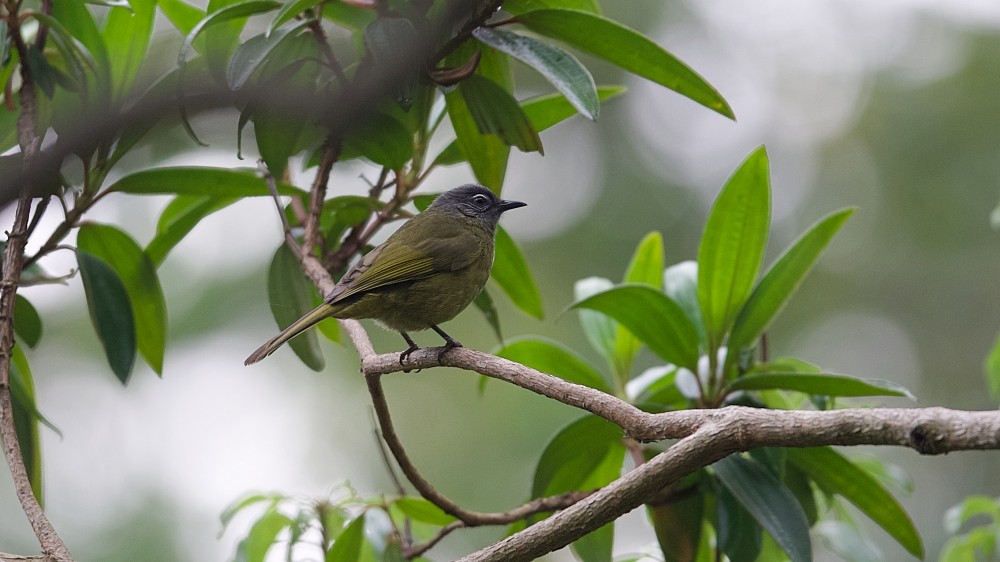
(26, 420)
(27, 323)
(484, 302)
(555, 359)
(486, 154)
(127, 35)
(559, 67)
(836, 474)
(625, 48)
(511, 272)
(653, 317)
(770, 503)
(254, 52)
(496, 112)
(826, 384)
(740, 536)
(216, 182)
(290, 295)
(781, 281)
(110, 312)
(138, 274)
(179, 217)
(732, 245)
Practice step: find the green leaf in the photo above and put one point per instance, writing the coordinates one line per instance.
(420, 509)
(290, 295)
(770, 503)
(126, 35)
(599, 328)
(680, 282)
(646, 268)
(26, 420)
(511, 272)
(347, 547)
(992, 368)
(27, 323)
(654, 318)
(178, 218)
(625, 48)
(780, 282)
(182, 15)
(138, 274)
(517, 7)
(291, 10)
(495, 111)
(263, 535)
(233, 509)
(586, 454)
(221, 40)
(824, 384)
(970, 507)
(740, 536)
(484, 302)
(254, 52)
(595, 546)
(732, 246)
(78, 20)
(555, 359)
(382, 139)
(560, 68)
(110, 312)
(486, 154)
(678, 522)
(216, 182)
(655, 390)
(835, 473)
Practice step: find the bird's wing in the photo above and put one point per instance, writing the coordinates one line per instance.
(450, 247)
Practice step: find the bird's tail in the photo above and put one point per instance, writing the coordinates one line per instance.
(321, 312)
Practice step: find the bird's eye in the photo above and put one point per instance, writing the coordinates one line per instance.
(480, 201)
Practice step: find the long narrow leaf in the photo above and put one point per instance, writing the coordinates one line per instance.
(834, 472)
(185, 212)
(780, 282)
(560, 68)
(626, 48)
(771, 503)
(216, 182)
(290, 295)
(732, 246)
(496, 112)
(646, 267)
(127, 35)
(654, 318)
(511, 272)
(824, 384)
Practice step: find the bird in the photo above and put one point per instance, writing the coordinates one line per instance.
(423, 275)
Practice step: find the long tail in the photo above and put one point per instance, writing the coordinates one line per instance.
(321, 312)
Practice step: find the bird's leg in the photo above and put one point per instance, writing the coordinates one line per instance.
(413, 347)
(449, 342)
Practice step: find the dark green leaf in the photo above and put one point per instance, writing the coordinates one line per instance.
(495, 111)
(799, 484)
(381, 139)
(263, 535)
(347, 547)
(179, 217)
(221, 40)
(825, 384)
(835, 473)
(484, 302)
(769, 502)
(678, 522)
(420, 509)
(517, 7)
(77, 19)
(216, 182)
(586, 454)
(646, 267)
(138, 274)
(127, 35)
(27, 323)
(732, 246)
(290, 295)
(992, 368)
(254, 52)
(26, 420)
(740, 536)
(110, 312)
(654, 318)
(555, 359)
(486, 154)
(560, 68)
(781, 281)
(511, 272)
(626, 48)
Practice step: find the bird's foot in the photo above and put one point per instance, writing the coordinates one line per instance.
(406, 353)
(448, 346)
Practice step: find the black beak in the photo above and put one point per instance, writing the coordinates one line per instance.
(508, 205)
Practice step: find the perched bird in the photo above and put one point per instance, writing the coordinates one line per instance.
(424, 274)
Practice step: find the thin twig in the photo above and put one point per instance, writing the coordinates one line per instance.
(272, 186)
(317, 194)
(417, 550)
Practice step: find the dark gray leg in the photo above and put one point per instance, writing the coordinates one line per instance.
(413, 347)
(449, 343)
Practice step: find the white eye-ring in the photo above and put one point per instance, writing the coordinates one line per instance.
(480, 201)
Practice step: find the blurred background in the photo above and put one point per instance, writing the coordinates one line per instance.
(890, 106)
